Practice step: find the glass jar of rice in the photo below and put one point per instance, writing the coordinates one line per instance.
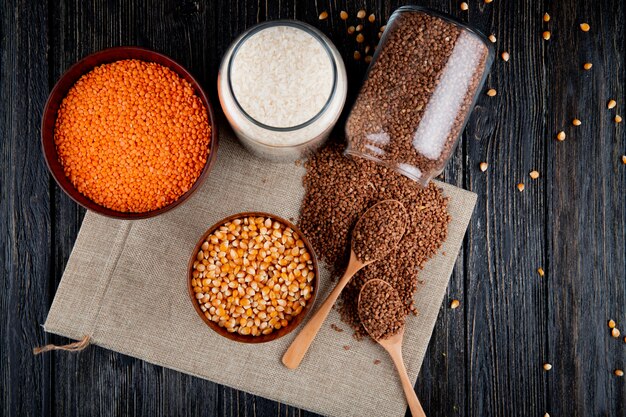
(282, 86)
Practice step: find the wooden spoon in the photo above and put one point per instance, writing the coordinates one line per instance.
(300, 345)
(393, 346)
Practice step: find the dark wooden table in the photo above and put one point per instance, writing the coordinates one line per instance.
(486, 357)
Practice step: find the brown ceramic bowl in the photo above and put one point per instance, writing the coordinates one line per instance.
(69, 78)
(277, 333)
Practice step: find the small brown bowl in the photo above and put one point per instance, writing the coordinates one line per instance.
(276, 334)
(58, 93)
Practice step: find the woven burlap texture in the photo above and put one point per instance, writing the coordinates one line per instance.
(125, 286)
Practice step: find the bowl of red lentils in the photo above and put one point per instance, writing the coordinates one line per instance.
(253, 277)
(128, 133)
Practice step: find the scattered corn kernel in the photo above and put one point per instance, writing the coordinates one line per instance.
(618, 118)
(560, 136)
(356, 55)
(520, 187)
(343, 15)
(618, 372)
(587, 66)
(611, 324)
(488, 1)
(368, 59)
(547, 366)
(505, 56)
(546, 35)
(483, 166)
(624, 159)
(351, 30)
(611, 104)
(576, 122)
(372, 18)
(323, 15)
(540, 271)
(585, 27)
(615, 332)
(546, 17)
(361, 14)
(492, 38)
(464, 6)
(360, 38)
(454, 304)
(492, 92)
(534, 174)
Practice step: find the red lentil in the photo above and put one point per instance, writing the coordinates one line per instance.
(132, 136)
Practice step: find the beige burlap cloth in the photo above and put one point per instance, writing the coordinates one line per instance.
(125, 286)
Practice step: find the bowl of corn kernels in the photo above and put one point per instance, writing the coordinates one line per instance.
(253, 277)
(128, 133)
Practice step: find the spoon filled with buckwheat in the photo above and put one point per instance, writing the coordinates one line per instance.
(381, 311)
(376, 233)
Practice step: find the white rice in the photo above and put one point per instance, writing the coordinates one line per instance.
(282, 76)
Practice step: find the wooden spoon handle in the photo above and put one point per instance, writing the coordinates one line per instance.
(300, 345)
(407, 386)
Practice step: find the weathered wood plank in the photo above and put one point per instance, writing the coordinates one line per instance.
(24, 205)
(505, 304)
(585, 280)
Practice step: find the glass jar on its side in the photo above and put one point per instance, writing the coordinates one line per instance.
(282, 85)
(419, 91)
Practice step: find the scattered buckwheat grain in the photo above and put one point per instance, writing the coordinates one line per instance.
(338, 190)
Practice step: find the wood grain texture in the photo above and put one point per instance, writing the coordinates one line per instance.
(485, 357)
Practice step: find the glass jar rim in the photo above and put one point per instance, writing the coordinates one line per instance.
(310, 30)
(448, 18)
